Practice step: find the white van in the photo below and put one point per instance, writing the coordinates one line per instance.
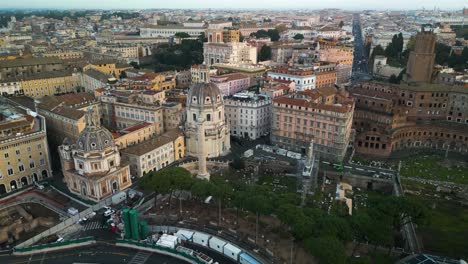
(72, 211)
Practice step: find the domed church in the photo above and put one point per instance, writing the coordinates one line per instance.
(92, 167)
(205, 105)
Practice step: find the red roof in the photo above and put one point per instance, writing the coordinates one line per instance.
(136, 127)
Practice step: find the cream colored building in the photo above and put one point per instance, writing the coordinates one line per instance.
(92, 166)
(173, 115)
(124, 51)
(64, 115)
(64, 54)
(24, 152)
(50, 83)
(134, 135)
(108, 67)
(155, 154)
(204, 101)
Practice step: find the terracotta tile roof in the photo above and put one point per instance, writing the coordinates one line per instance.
(340, 108)
(231, 76)
(28, 62)
(136, 127)
(152, 144)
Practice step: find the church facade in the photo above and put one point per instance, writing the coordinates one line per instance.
(205, 104)
(92, 167)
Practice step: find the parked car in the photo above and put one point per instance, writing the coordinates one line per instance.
(72, 211)
(60, 239)
(109, 212)
(83, 220)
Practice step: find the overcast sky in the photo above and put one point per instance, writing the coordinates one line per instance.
(312, 4)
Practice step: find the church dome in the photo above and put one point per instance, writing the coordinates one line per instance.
(94, 138)
(205, 94)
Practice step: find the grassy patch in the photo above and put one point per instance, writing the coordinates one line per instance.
(280, 183)
(435, 168)
(446, 230)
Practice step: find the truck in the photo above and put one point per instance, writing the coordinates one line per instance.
(119, 197)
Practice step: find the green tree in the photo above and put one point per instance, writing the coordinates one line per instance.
(341, 24)
(410, 44)
(391, 51)
(182, 35)
(281, 28)
(237, 163)
(135, 65)
(329, 250)
(222, 192)
(400, 43)
(298, 37)
(167, 181)
(202, 189)
(265, 53)
(273, 34)
(259, 204)
(378, 50)
(260, 34)
(123, 75)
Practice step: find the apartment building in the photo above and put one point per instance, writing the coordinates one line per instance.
(134, 135)
(24, 151)
(248, 114)
(65, 115)
(123, 51)
(336, 54)
(304, 78)
(19, 68)
(231, 52)
(51, 83)
(92, 79)
(63, 54)
(123, 109)
(326, 75)
(323, 115)
(231, 83)
(173, 115)
(109, 67)
(10, 87)
(155, 154)
(154, 31)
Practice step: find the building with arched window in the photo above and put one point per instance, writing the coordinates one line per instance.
(205, 103)
(24, 151)
(92, 167)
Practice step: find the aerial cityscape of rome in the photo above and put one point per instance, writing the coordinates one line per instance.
(233, 132)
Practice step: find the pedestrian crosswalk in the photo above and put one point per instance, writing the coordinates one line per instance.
(140, 258)
(92, 225)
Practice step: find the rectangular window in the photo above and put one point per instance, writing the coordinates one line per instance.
(10, 171)
(21, 168)
(7, 156)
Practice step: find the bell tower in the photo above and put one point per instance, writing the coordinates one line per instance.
(421, 60)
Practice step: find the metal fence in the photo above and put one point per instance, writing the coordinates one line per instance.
(263, 255)
(162, 250)
(55, 245)
(67, 223)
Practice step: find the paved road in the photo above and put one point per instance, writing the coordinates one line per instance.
(92, 254)
(360, 63)
(361, 170)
